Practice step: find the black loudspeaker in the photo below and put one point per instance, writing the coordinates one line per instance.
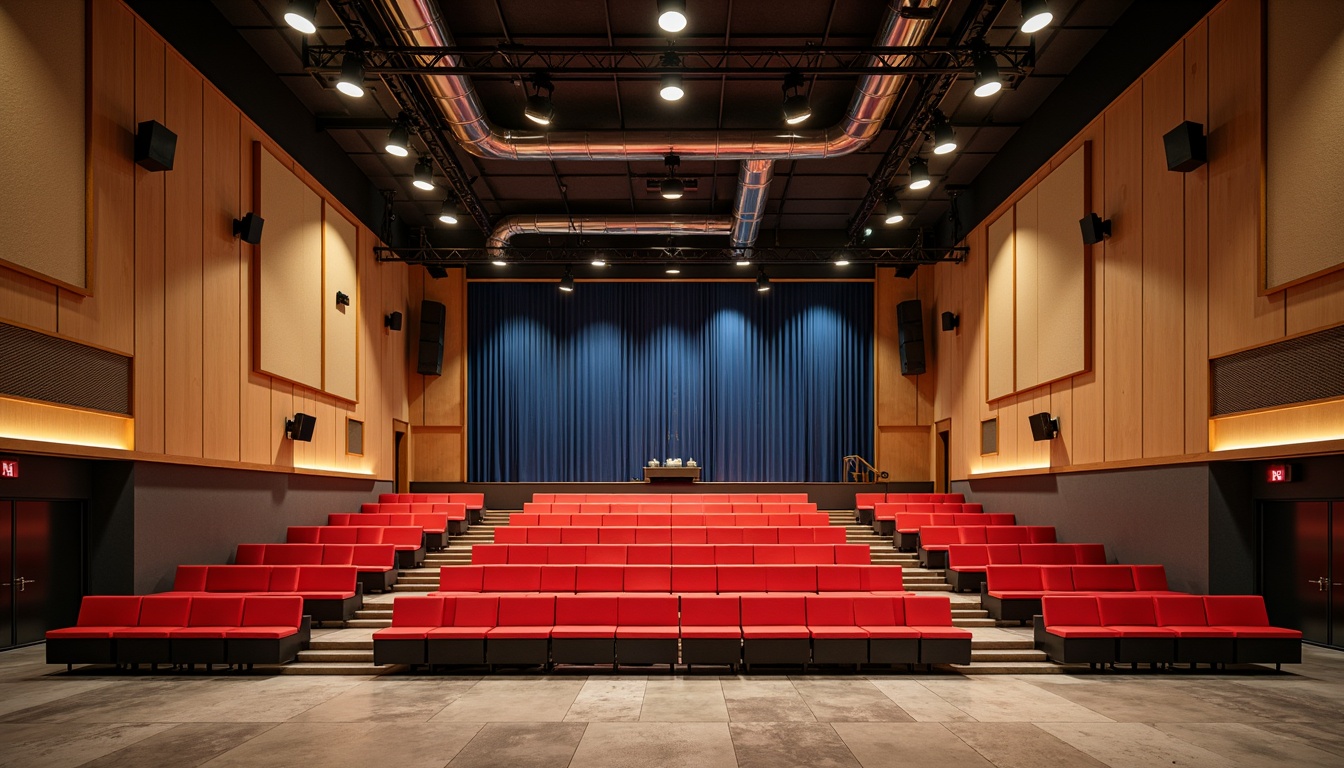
(393, 321)
(249, 228)
(430, 359)
(1043, 426)
(155, 146)
(1095, 229)
(950, 321)
(1186, 147)
(910, 329)
(300, 427)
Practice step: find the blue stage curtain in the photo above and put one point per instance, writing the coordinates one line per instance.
(588, 386)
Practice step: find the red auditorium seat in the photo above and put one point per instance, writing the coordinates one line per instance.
(268, 633)
(939, 641)
(612, 554)
(647, 578)
(741, 579)
(511, 578)
(790, 578)
(609, 579)
(1256, 641)
(462, 641)
(1140, 639)
(695, 578)
(1196, 641)
(559, 578)
(467, 579)
(585, 629)
(1071, 631)
(890, 640)
(406, 641)
(148, 641)
(711, 630)
(774, 630)
(836, 636)
(693, 554)
(521, 634)
(647, 629)
(90, 640)
(201, 641)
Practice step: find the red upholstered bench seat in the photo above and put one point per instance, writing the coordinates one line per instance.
(182, 629)
(670, 554)
(329, 592)
(1014, 592)
(376, 563)
(966, 563)
(409, 541)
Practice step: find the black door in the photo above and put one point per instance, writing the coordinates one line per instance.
(1301, 567)
(42, 561)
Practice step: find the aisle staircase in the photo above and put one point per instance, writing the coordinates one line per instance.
(349, 651)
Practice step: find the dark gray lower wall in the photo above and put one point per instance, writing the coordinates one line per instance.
(189, 514)
(1147, 515)
(826, 495)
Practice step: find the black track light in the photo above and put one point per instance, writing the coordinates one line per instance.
(1035, 16)
(351, 80)
(762, 282)
(988, 80)
(891, 212)
(672, 15)
(399, 140)
(448, 212)
(424, 174)
(919, 173)
(669, 85)
(540, 109)
(671, 187)
(944, 136)
(797, 107)
(302, 15)
(567, 282)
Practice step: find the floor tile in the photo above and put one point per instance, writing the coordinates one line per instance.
(786, 745)
(655, 745)
(684, 700)
(1249, 745)
(765, 701)
(514, 701)
(1133, 745)
(1150, 701)
(1020, 745)
(521, 745)
(919, 702)
(388, 700)
(607, 700)
(184, 744)
(65, 744)
(349, 745)
(990, 700)
(853, 700)
(917, 744)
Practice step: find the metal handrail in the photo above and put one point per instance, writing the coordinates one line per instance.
(860, 470)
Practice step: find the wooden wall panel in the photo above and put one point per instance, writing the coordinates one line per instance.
(1196, 183)
(340, 357)
(1061, 407)
(1317, 304)
(27, 301)
(1238, 316)
(1124, 277)
(438, 453)
(221, 254)
(926, 384)
(149, 209)
(1026, 288)
(254, 401)
(1089, 391)
(905, 453)
(896, 394)
(974, 274)
(445, 396)
(1062, 320)
(183, 236)
(1000, 370)
(1163, 263)
(289, 288)
(102, 319)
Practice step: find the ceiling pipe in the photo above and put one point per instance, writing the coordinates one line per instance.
(559, 224)
(419, 22)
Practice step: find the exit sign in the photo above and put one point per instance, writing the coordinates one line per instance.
(1279, 473)
(9, 468)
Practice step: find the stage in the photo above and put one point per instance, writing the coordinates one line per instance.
(826, 495)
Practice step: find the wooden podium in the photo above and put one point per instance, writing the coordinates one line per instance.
(671, 474)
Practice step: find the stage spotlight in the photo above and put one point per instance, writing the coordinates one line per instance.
(1035, 16)
(424, 174)
(302, 15)
(351, 80)
(919, 173)
(672, 15)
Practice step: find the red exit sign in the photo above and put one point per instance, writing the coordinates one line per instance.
(1279, 473)
(9, 468)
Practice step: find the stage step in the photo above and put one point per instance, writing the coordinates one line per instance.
(416, 587)
(341, 668)
(381, 613)
(1007, 668)
(372, 623)
(336, 657)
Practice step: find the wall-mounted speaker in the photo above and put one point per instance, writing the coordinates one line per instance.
(249, 228)
(1186, 147)
(1095, 229)
(950, 321)
(1043, 426)
(393, 321)
(155, 146)
(429, 361)
(300, 427)
(910, 330)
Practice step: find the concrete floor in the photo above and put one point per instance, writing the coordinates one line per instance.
(1248, 717)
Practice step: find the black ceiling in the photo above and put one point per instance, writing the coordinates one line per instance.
(1091, 52)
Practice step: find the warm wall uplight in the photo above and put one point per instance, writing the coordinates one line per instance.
(1296, 425)
(39, 422)
(1012, 468)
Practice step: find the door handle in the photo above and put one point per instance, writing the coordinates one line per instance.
(1320, 583)
(22, 582)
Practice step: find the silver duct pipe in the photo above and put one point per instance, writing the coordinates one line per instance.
(419, 22)
(559, 224)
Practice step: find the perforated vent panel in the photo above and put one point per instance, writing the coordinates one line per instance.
(989, 437)
(41, 367)
(1295, 371)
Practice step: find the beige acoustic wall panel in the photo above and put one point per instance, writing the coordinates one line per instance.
(1061, 273)
(289, 327)
(999, 319)
(1305, 145)
(42, 106)
(1026, 287)
(340, 363)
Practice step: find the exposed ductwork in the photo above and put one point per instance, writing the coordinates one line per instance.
(560, 224)
(419, 23)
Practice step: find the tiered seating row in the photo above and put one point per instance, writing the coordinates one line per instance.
(656, 508)
(376, 563)
(668, 498)
(434, 524)
(329, 592)
(474, 502)
(1014, 592)
(966, 562)
(886, 514)
(678, 520)
(1163, 629)
(668, 629)
(711, 579)
(619, 534)
(865, 502)
(409, 541)
(935, 539)
(456, 513)
(670, 554)
(182, 629)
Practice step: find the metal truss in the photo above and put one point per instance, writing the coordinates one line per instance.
(578, 62)
(881, 257)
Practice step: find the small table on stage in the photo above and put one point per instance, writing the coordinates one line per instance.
(673, 474)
